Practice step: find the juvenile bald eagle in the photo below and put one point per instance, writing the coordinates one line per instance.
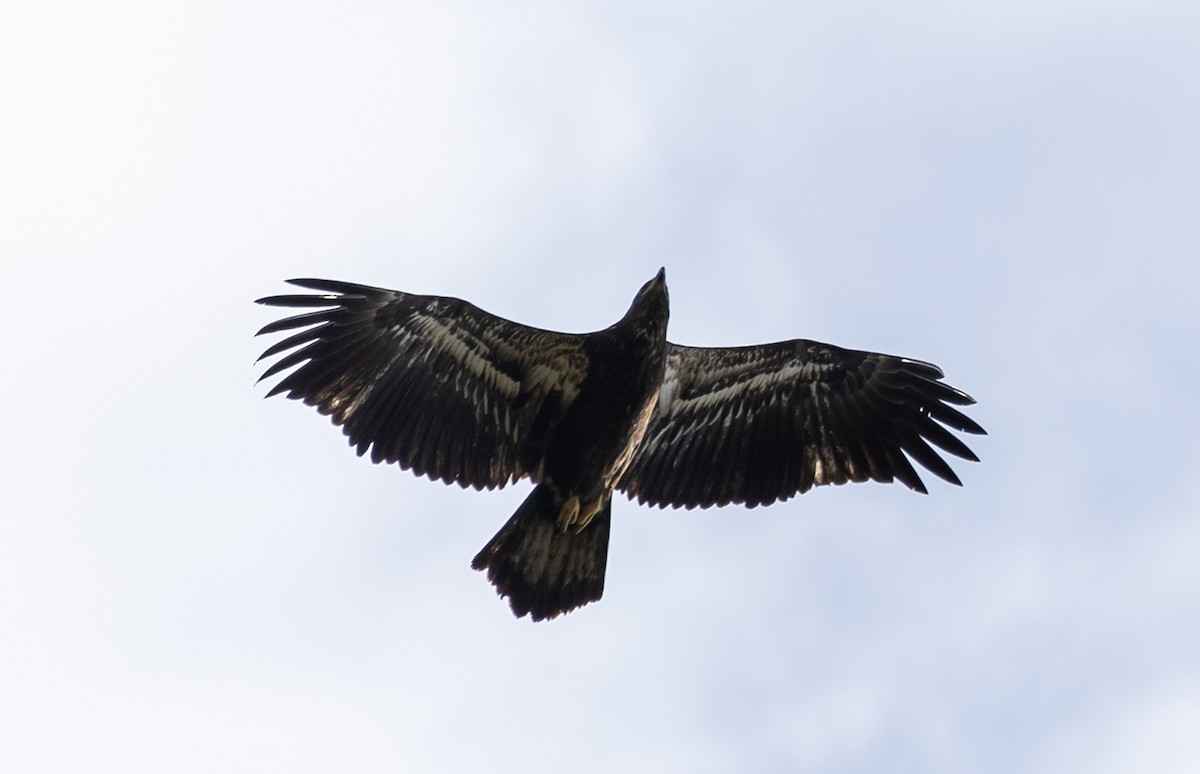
(451, 392)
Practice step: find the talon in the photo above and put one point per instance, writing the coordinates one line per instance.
(568, 512)
(586, 514)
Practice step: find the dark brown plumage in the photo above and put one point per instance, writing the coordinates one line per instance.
(449, 391)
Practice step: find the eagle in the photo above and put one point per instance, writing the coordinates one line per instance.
(446, 390)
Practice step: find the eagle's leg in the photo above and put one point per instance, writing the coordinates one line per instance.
(587, 513)
(575, 516)
(568, 512)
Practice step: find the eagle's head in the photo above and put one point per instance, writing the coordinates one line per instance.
(650, 309)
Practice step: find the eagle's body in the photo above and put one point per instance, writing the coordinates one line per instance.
(590, 447)
(441, 387)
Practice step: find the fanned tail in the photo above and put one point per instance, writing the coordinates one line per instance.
(542, 569)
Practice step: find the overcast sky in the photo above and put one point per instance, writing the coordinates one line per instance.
(194, 579)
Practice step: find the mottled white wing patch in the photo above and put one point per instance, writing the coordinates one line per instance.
(753, 425)
(434, 384)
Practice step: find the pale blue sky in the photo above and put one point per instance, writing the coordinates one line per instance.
(193, 579)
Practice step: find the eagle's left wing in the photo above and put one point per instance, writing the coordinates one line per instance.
(753, 425)
(433, 383)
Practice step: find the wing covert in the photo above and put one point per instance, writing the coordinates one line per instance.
(432, 383)
(754, 425)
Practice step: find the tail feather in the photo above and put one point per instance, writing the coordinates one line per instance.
(542, 569)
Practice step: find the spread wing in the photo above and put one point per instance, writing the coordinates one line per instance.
(434, 384)
(754, 425)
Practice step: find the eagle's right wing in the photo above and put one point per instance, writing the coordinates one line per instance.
(753, 425)
(432, 383)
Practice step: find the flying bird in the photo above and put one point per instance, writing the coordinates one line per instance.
(449, 391)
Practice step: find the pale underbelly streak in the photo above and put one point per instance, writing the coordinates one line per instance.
(618, 467)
